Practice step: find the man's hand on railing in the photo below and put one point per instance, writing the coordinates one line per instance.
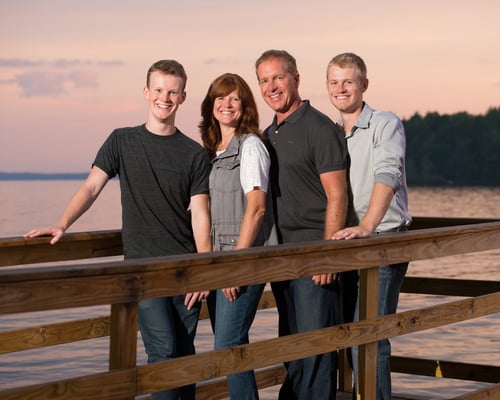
(352, 232)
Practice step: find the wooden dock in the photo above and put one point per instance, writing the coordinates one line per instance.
(122, 284)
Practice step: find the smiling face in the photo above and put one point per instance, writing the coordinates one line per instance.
(228, 109)
(345, 88)
(164, 93)
(279, 88)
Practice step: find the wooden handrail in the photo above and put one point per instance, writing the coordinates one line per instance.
(122, 284)
(73, 246)
(31, 289)
(80, 245)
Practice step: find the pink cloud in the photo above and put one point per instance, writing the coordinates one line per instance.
(50, 82)
(83, 79)
(41, 83)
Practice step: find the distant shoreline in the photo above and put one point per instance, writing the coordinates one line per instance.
(33, 176)
(81, 176)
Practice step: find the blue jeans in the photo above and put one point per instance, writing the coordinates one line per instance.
(168, 330)
(390, 280)
(304, 306)
(231, 321)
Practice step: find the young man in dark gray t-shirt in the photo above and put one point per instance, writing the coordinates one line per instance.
(164, 191)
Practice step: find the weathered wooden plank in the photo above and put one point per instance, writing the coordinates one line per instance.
(437, 242)
(345, 372)
(446, 369)
(217, 389)
(115, 385)
(491, 393)
(40, 295)
(133, 280)
(123, 336)
(80, 245)
(439, 222)
(367, 353)
(449, 287)
(73, 246)
(213, 363)
(66, 332)
(290, 261)
(53, 334)
(201, 367)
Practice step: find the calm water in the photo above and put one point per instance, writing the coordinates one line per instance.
(28, 204)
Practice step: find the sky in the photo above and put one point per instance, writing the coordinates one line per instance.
(71, 72)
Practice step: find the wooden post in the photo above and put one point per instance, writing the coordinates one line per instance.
(367, 355)
(123, 339)
(345, 372)
(123, 336)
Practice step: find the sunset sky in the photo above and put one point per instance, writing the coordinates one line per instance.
(70, 72)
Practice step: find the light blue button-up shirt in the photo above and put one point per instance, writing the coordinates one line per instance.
(377, 147)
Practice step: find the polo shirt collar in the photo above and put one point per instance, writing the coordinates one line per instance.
(296, 115)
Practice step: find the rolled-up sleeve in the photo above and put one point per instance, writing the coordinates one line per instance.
(389, 153)
(255, 164)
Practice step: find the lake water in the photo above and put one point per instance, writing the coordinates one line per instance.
(28, 204)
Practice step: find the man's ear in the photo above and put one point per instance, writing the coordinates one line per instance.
(297, 80)
(364, 85)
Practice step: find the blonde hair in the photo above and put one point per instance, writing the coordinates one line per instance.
(349, 60)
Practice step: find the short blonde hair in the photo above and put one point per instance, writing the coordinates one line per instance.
(349, 60)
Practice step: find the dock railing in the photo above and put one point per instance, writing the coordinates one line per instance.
(122, 284)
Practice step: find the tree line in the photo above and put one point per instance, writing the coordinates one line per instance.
(458, 149)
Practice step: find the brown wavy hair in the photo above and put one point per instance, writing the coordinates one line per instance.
(169, 67)
(209, 126)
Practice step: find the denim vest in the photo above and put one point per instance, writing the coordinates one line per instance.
(228, 202)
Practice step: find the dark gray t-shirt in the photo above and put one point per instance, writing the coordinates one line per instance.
(158, 175)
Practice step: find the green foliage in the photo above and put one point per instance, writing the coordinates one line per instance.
(458, 149)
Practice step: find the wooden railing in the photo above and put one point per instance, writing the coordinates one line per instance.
(122, 284)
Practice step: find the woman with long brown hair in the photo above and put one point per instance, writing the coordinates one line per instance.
(240, 207)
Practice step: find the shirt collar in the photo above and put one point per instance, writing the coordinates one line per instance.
(365, 117)
(296, 115)
(363, 121)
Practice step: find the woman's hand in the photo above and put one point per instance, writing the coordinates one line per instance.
(231, 293)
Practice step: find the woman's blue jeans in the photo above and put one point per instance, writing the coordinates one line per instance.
(168, 329)
(233, 320)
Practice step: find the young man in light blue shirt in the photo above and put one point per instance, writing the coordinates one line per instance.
(377, 146)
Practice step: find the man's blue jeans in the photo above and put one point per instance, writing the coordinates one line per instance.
(168, 330)
(304, 306)
(232, 324)
(390, 280)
